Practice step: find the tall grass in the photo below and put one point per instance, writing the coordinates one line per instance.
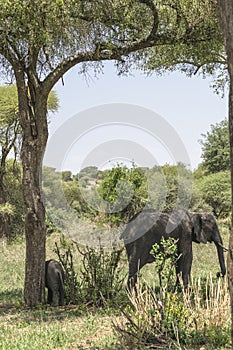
(182, 319)
(210, 301)
(167, 317)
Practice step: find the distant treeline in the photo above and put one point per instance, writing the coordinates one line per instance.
(114, 195)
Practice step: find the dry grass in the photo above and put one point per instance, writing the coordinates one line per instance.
(210, 302)
(177, 320)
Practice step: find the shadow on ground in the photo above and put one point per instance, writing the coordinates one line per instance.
(12, 304)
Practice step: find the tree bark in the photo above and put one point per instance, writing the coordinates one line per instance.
(33, 120)
(230, 252)
(226, 21)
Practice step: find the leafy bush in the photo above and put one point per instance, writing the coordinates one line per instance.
(101, 275)
(166, 257)
(72, 285)
(99, 279)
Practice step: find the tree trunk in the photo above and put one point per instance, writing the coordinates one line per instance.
(230, 252)
(33, 120)
(226, 21)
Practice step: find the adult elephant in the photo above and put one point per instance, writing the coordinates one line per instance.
(149, 226)
(54, 281)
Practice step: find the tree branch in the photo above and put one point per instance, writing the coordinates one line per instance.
(102, 53)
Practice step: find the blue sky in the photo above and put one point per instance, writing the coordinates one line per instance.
(189, 105)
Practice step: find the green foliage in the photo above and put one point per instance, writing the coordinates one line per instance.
(212, 186)
(8, 104)
(55, 202)
(194, 39)
(66, 176)
(166, 257)
(13, 196)
(180, 34)
(178, 185)
(115, 195)
(172, 182)
(6, 209)
(57, 30)
(168, 185)
(78, 199)
(10, 171)
(10, 131)
(124, 191)
(98, 281)
(53, 102)
(90, 172)
(101, 276)
(216, 148)
(158, 187)
(71, 283)
(213, 193)
(62, 197)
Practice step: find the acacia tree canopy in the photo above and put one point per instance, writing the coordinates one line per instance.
(52, 36)
(196, 43)
(49, 37)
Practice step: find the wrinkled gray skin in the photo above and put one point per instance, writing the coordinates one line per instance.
(149, 226)
(54, 281)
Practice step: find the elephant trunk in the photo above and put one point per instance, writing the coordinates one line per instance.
(220, 250)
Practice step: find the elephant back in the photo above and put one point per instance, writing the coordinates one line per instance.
(140, 224)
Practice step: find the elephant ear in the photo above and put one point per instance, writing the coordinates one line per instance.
(198, 234)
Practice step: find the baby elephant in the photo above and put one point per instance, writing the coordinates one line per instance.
(54, 281)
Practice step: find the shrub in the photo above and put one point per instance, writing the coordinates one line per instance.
(175, 319)
(166, 257)
(99, 279)
(101, 275)
(72, 285)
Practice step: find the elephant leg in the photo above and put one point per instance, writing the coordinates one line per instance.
(50, 296)
(132, 280)
(183, 269)
(56, 296)
(135, 266)
(61, 298)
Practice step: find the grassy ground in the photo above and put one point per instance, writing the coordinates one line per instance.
(65, 328)
(70, 327)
